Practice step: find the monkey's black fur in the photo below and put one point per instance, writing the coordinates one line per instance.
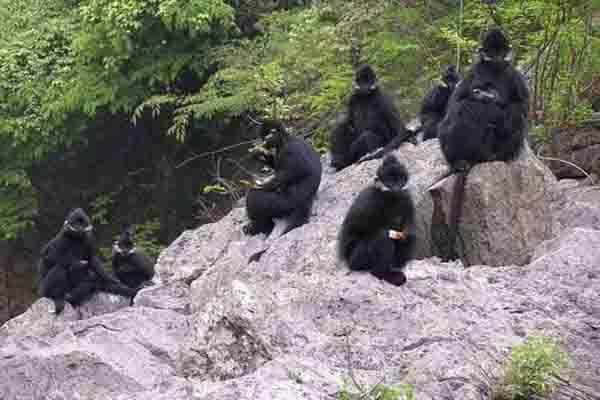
(130, 265)
(372, 122)
(290, 192)
(486, 118)
(69, 268)
(433, 108)
(364, 241)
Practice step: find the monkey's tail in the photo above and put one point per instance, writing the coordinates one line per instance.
(456, 206)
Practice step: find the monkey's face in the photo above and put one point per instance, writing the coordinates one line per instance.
(450, 77)
(78, 224)
(391, 176)
(124, 246)
(272, 134)
(495, 47)
(365, 80)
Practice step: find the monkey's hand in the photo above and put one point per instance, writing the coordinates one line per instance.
(259, 150)
(267, 183)
(396, 235)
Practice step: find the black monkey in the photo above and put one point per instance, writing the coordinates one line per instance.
(130, 265)
(372, 122)
(290, 191)
(486, 118)
(69, 268)
(435, 103)
(378, 231)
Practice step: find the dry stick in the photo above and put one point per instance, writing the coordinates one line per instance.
(210, 153)
(569, 163)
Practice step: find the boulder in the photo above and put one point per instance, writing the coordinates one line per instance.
(576, 204)
(580, 146)
(504, 212)
(40, 320)
(124, 352)
(297, 324)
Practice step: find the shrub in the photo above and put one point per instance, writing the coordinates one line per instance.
(530, 369)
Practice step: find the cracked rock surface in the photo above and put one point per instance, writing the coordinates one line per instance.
(297, 324)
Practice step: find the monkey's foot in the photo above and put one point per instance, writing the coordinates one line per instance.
(396, 235)
(460, 166)
(251, 229)
(394, 277)
(59, 306)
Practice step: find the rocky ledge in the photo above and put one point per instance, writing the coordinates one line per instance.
(298, 325)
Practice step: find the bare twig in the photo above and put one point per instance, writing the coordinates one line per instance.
(569, 163)
(211, 153)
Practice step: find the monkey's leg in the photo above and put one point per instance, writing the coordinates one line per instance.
(364, 144)
(115, 288)
(360, 257)
(54, 286)
(262, 207)
(83, 291)
(385, 267)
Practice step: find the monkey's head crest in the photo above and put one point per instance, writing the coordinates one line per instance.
(124, 245)
(391, 175)
(450, 76)
(78, 224)
(365, 80)
(495, 46)
(273, 133)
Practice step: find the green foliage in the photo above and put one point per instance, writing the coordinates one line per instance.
(67, 63)
(17, 205)
(301, 67)
(380, 392)
(553, 40)
(530, 369)
(145, 237)
(101, 207)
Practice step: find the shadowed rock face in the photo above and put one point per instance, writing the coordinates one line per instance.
(576, 146)
(297, 324)
(505, 212)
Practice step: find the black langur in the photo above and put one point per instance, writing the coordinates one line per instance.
(378, 231)
(130, 265)
(372, 122)
(486, 118)
(289, 192)
(69, 268)
(435, 103)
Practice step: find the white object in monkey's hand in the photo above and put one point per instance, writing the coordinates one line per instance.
(263, 177)
(396, 235)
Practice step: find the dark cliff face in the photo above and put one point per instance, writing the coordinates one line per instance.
(133, 174)
(17, 281)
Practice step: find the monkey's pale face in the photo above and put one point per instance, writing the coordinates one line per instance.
(78, 223)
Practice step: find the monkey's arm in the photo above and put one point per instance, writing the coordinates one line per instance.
(263, 155)
(517, 107)
(145, 265)
(435, 101)
(404, 222)
(47, 259)
(363, 216)
(95, 265)
(291, 170)
(463, 88)
(392, 118)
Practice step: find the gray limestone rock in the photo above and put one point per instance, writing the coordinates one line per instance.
(504, 212)
(298, 325)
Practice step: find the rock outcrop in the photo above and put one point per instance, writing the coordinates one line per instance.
(504, 216)
(580, 147)
(297, 324)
